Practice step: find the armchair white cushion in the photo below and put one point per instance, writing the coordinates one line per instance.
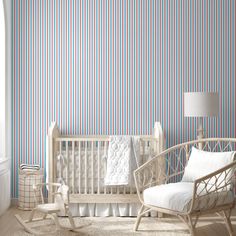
(178, 196)
(175, 196)
(202, 163)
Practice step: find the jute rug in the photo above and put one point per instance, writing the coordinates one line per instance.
(104, 226)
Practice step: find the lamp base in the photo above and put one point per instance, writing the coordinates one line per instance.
(200, 133)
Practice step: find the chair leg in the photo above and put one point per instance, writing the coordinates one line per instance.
(195, 222)
(56, 221)
(71, 220)
(139, 218)
(28, 228)
(31, 215)
(190, 223)
(226, 217)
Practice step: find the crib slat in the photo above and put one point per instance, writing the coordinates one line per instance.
(130, 189)
(86, 168)
(92, 157)
(73, 167)
(143, 155)
(98, 190)
(80, 167)
(124, 190)
(67, 169)
(61, 170)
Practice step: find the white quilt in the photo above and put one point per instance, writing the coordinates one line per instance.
(123, 158)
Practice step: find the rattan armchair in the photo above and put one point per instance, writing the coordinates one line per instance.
(211, 193)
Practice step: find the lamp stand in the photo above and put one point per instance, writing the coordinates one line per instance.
(200, 132)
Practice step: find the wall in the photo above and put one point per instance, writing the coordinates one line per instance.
(116, 67)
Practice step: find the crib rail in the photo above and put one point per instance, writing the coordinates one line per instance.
(104, 198)
(80, 162)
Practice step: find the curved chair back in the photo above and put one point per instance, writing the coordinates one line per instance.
(175, 159)
(38, 190)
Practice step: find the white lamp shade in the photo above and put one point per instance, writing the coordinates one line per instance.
(201, 104)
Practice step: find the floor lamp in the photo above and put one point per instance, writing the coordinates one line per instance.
(200, 105)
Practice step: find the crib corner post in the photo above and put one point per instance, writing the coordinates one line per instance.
(53, 132)
(159, 138)
(159, 147)
(159, 143)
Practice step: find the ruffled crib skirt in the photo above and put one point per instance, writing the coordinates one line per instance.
(106, 209)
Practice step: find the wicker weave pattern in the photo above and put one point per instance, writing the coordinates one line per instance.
(206, 191)
(175, 159)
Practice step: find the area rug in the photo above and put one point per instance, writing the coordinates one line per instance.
(117, 226)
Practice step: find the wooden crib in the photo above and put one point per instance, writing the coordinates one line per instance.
(79, 161)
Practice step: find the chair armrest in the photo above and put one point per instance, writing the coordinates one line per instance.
(151, 173)
(166, 167)
(212, 190)
(38, 189)
(65, 202)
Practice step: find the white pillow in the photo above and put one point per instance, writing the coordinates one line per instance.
(202, 163)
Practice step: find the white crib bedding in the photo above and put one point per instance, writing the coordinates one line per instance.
(86, 169)
(84, 184)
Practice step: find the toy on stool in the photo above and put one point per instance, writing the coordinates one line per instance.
(60, 204)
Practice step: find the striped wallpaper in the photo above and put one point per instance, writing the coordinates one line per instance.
(116, 67)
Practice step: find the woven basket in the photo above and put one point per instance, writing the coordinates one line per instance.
(27, 179)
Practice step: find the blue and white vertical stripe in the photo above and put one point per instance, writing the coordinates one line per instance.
(116, 67)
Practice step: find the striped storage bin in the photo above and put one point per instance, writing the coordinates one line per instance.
(27, 178)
